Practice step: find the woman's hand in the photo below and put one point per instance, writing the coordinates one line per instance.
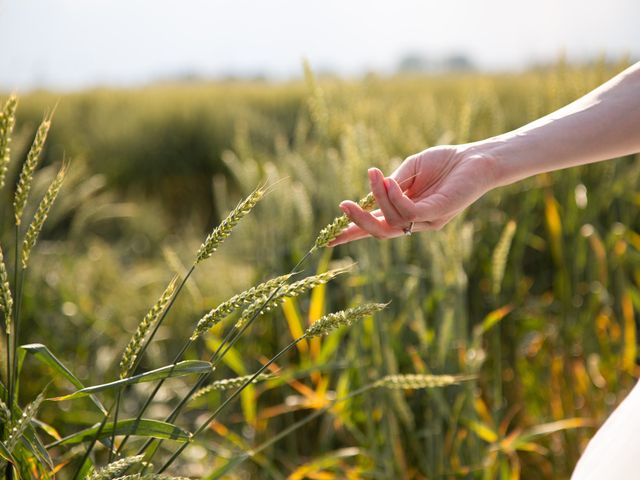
(425, 192)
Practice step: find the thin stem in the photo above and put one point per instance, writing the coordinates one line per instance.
(12, 336)
(228, 400)
(112, 449)
(153, 394)
(229, 340)
(139, 358)
(93, 442)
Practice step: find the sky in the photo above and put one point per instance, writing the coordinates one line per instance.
(74, 44)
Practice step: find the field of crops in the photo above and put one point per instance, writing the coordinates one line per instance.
(519, 317)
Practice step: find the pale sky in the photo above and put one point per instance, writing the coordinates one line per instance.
(69, 44)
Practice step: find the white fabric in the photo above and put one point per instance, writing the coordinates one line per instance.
(614, 451)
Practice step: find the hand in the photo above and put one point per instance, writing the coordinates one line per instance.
(426, 191)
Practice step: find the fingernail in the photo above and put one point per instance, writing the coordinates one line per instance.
(344, 208)
(373, 174)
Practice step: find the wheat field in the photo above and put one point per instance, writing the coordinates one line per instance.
(490, 349)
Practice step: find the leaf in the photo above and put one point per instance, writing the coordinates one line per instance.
(131, 426)
(482, 431)
(492, 319)
(6, 454)
(552, 427)
(43, 354)
(47, 428)
(186, 367)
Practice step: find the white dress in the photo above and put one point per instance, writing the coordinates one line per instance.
(614, 451)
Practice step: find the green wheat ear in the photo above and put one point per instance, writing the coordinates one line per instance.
(7, 122)
(333, 321)
(41, 214)
(335, 228)
(419, 381)
(116, 469)
(264, 304)
(6, 300)
(19, 425)
(148, 476)
(222, 231)
(134, 346)
(214, 316)
(28, 169)
(230, 383)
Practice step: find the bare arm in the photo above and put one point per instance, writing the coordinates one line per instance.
(603, 124)
(433, 186)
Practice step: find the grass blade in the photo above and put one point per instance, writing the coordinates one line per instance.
(44, 355)
(142, 428)
(186, 367)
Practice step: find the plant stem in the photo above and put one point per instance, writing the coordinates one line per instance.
(229, 340)
(93, 441)
(11, 343)
(139, 358)
(112, 450)
(152, 395)
(228, 400)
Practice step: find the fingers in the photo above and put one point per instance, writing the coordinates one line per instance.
(403, 204)
(379, 190)
(373, 225)
(364, 221)
(405, 173)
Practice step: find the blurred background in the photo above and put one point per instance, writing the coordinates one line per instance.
(170, 113)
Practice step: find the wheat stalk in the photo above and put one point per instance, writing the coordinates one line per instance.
(132, 349)
(330, 322)
(19, 425)
(115, 469)
(331, 231)
(40, 216)
(7, 122)
(419, 381)
(222, 231)
(226, 308)
(28, 169)
(6, 300)
(265, 304)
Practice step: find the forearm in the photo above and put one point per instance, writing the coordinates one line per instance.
(601, 125)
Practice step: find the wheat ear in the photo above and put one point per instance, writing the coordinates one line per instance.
(331, 231)
(332, 321)
(149, 476)
(132, 349)
(7, 122)
(222, 231)
(115, 469)
(226, 308)
(229, 383)
(6, 300)
(17, 428)
(419, 381)
(265, 304)
(40, 216)
(28, 169)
